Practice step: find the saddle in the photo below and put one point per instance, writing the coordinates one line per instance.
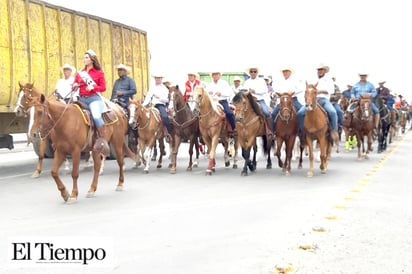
(108, 116)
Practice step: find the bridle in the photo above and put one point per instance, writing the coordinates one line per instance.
(286, 109)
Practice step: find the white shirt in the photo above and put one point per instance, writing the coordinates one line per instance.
(221, 86)
(291, 84)
(235, 90)
(259, 85)
(64, 86)
(159, 91)
(325, 83)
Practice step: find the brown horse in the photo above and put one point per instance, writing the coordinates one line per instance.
(286, 124)
(350, 136)
(149, 126)
(250, 123)
(363, 124)
(71, 133)
(185, 126)
(212, 125)
(316, 128)
(43, 147)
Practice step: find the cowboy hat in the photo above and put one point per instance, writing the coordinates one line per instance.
(250, 68)
(287, 69)
(323, 66)
(122, 66)
(158, 75)
(236, 78)
(215, 72)
(266, 77)
(193, 73)
(363, 73)
(382, 82)
(68, 66)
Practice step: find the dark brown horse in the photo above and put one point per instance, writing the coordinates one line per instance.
(350, 136)
(286, 124)
(212, 125)
(71, 133)
(362, 123)
(185, 126)
(250, 124)
(149, 126)
(316, 128)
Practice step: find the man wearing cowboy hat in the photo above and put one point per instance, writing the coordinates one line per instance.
(289, 83)
(221, 90)
(325, 87)
(236, 87)
(362, 87)
(158, 95)
(124, 87)
(385, 94)
(64, 86)
(258, 88)
(347, 92)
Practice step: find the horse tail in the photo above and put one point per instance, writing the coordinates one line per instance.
(266, 145)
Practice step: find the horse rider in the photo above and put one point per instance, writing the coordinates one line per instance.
(325, 87)
(258, 88)
(289, 83)
(348, 92)
(190, 85)
(91, 81)
(124, 88)
(362, 87)
(385, 94)
(221, 90)
(158, 95)
(236, 87)
(64, 85)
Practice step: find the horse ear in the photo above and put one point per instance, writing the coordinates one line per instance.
(21, 84)
(42, 98)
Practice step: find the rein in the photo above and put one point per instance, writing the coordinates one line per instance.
(46, 112)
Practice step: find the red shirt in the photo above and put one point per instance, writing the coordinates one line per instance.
(189, 90)
(98, 78)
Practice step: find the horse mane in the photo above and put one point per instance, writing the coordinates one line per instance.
(255, 106)
(238, 97)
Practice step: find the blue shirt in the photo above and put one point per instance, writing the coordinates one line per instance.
(361, 88)
(127, 86)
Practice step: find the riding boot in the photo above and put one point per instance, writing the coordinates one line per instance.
(101, 145)
(269, 127)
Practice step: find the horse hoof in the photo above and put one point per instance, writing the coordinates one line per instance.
(323, 171)
(243, 173)
(170, 165)
(90, 194)
(268, 166)
(195, 165)
(208, 172)
(65, 196)
(309, 174)
(234, 166)
(227, 164)
(173, 171)
(101, 172)
(119, 188)
(159, 166)
(71, 200)
(287, 173)
(189, 169)
(36, 174)
(153, 159)
(145, 171)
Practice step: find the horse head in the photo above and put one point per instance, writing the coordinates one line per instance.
(286, 105)
(310, 97)
(365, 108)
(40, 121)
(22, 103)
(134, 108)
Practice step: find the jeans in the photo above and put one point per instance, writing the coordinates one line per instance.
(333, 117)
(96, 106)
(165, 118)
(229, 113)
(339, 112)
(264, 108)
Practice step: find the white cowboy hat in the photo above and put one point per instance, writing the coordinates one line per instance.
(91, 52)
(158, 75)
(122, 66)
(193, 73)
(363, 73)
(215, 72)
(250, 68)
(236, 78)
(68, 66)
(287, 68)
(382, 82)
(323, 66)
(266, 77)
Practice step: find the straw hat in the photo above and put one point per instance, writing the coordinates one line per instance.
(215, 72)
(68, 66)
(250, 68)
(122, 66)
(236, 78)
(323, 66)
(287, 68)
(193, 73)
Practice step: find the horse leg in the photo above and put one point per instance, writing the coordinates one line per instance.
(39, 167)
(117, 143)
(278, 151)
(57, 161)
(311, 157)
(212, 162)
(196, 144)
(162, 150)
(97, 161)
(147, 153)
(154, 156)
(236, 148)
(290, 144)
(246, 156)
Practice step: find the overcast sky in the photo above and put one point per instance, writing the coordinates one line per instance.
(350, 36)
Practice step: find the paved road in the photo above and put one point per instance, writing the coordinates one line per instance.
(354, 219)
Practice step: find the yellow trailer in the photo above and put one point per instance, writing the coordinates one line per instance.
(38, 38)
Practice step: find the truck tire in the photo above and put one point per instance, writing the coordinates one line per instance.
(36, 147)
